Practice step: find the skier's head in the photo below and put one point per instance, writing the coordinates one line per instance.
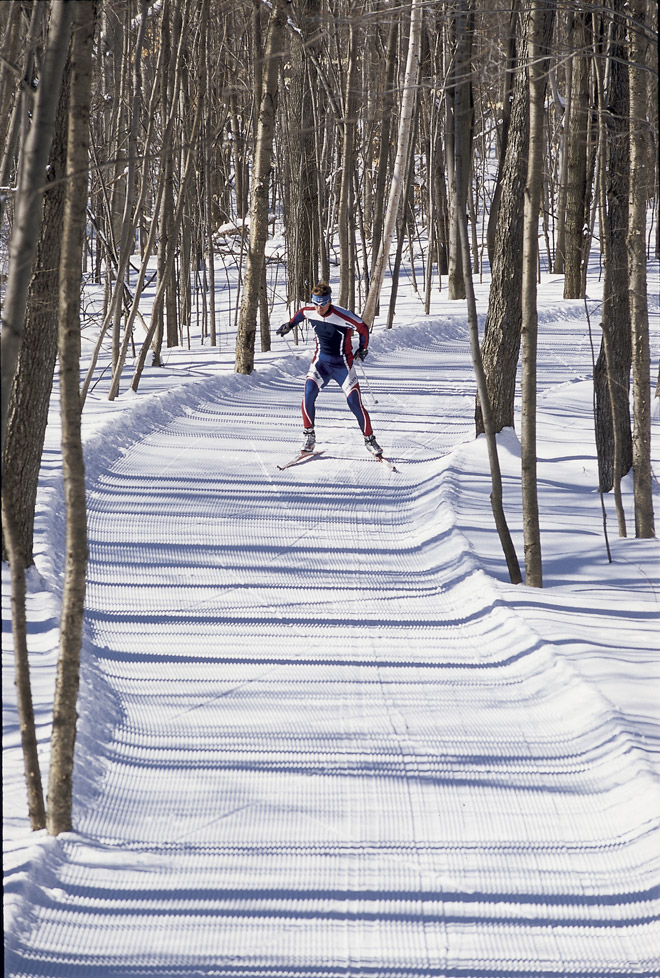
(321, 294)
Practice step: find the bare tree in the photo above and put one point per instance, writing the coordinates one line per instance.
(641, 357)
(73, 598)
(541, 15)
(35, 366)
(457, 206)
(408, 102)
(27, 215)
(578, 185)
(345, 216)
(259, 191)
(501, 343)
(188, 166)
(128, 218)
(612, 374)
(461, 164)
(35, 795)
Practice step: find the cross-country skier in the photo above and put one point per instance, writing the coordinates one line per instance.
(333, 360)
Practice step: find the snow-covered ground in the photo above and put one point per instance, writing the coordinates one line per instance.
(321, 735)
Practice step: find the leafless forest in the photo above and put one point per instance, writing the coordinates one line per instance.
(165, 141)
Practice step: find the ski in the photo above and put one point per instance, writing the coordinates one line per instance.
(386, 462)
(304, 456)
(301, 457)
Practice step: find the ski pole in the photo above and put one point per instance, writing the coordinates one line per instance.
(367, 384)
(290, 347)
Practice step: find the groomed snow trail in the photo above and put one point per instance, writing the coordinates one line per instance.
(317, 743)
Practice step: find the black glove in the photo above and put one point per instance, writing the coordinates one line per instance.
(284, 329)
(361, 354)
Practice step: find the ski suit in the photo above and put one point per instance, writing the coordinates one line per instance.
(333, 359)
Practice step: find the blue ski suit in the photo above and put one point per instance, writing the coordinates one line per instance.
(333, 359)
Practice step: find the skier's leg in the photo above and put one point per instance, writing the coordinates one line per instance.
(354, 399)
(351, 388)
(309, 402)
(317, 378)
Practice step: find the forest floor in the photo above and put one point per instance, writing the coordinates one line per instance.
(320, 733)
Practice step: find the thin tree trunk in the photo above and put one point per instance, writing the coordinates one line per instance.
(35, 795)
(577, 210)
(164, 279)
(208, 197)
(461, 166)
(259, 194)
(402, 219)
(162, 285)
(616, 435)
(27, 215)
(408, 103)
(501, 343)
(384, 145)
(541, 15)
(345, 219)
(11, 15)
(13, 144)
(560, 248)
(128, 221)
(146, 249)
(612, 376)
(33, 380)
(60, 785)
(507, 100)
(641, 356)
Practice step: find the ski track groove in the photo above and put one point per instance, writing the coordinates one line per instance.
(359, 778)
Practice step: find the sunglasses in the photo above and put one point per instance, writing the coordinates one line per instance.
(321, 300)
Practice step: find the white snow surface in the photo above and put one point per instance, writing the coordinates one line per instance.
(320, 733)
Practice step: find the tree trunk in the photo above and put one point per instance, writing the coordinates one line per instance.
(641, 357)
(191, 152)
(612, 375)
(384, 146)
(461, 166)
(259, 195)
(302, 190)
(346, 216)
(35, 795)
(33, 380)
(540, 15)
(10, 27)
(577, 191)
(457, 204)
(128, 220)
(560, 246)
(408, 103)
(405, 206)
(27, 215)
(17, 123)
(63, 736)
(510, 76)
(501, 343)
